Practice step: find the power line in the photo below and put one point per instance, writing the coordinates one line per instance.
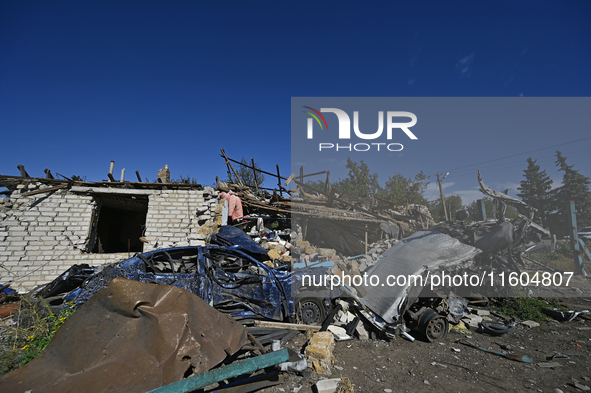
(518, 154)
(465, 173)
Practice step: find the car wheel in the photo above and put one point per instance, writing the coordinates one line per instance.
(433, 326)
(310, 311)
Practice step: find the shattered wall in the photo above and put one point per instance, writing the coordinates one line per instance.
(42, 235)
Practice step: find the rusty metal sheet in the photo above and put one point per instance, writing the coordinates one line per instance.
(131, 337)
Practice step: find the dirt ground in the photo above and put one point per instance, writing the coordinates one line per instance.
(449, 366)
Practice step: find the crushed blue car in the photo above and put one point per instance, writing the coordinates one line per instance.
(231, 278)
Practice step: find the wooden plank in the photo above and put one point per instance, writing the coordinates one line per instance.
(283, 325)
(231, 167)
(254, 172)
(50, 189)
(248, 166)
(279, 180)
(289, 179)
(23, 171)
(226, 372)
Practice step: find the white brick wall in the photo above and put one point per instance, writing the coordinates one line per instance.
(42, 235)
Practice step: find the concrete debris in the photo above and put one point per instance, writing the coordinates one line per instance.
(530, 324)
(327, 385)
(319, 352)
(471, 321)
(340, 333)
(361, 332)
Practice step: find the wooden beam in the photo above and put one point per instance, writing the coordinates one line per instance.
(254, 172)
(289, 179)
(23, 172)
(50, 189)
(279, 180)
(231, 167)
(283, 325)
(226, 372)
(139, 178)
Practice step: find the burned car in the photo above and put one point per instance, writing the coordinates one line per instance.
(232, 278)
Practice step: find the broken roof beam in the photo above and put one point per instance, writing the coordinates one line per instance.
(50, 189)
(248, 166)
(24, 173)
(225, 372)
(343, 201)
(229, 164)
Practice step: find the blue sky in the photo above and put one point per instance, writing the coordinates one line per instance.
(152, 83)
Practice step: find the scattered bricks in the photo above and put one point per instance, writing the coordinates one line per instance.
(482, 312)
(303, 243)
(273, 254)
(327, 385)
(339, 333)
(319, 368)
(279, 248)
(361, 332)
(326, 252)
(319, 351)
(355, 268)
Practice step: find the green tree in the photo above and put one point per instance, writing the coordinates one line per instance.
(360, 182)
(401, 189)
(185, 180)
(453, 203)
(575, 187)
(535, 189)
(246, 174)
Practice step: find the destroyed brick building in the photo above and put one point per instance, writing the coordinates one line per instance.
(47, 225)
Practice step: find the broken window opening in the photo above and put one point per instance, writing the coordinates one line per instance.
(118, 224)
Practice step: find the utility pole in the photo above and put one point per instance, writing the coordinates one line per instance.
(441, 192)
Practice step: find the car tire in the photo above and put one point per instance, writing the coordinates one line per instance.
(310, 311)
(433, 326)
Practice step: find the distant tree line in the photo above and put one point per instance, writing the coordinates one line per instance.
(535, 190)
(552, 204)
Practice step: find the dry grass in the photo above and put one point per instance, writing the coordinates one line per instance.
(345, 386)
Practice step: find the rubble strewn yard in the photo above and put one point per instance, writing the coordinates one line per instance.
(295, 273)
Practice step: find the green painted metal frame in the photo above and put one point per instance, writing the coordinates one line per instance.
(574, 236)
(219, 374)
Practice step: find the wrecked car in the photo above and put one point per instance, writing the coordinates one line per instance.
(227, 277)
(410, 290)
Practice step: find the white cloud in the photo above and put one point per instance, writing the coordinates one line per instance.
(469, 196)
(432, 190)
(465, 65)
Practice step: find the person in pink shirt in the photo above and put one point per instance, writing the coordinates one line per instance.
(234, 205)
